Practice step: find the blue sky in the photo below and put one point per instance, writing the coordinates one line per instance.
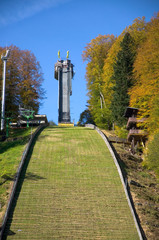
(46, 26)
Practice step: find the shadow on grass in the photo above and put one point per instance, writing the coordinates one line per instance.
(17, 132)
(23, 176)
(7, 145)
(42, 137)
(33, 177)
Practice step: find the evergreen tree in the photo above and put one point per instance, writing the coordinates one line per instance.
(123, 78)
(138, 33)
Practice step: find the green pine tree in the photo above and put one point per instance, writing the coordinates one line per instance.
(123, 77)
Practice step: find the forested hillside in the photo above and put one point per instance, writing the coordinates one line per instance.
(124, 71)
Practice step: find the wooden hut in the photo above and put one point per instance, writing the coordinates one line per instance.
(136, 134)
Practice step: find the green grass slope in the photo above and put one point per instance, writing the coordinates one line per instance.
(11, 152)
(70, 189)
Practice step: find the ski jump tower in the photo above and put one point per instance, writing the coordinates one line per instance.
(64, 74)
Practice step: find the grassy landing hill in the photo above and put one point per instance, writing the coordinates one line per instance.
(11, 151)
(70, 189)
(144, 187)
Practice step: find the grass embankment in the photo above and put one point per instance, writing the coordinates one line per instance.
(10, 155)
(70, 189)
(146, 191)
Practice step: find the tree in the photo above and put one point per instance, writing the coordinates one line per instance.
(52, 123)
(153, 120)
(123, 76)
(85, 117)
(23, 80)
(138, 32)
(101, 54)
(144, 93)
(95, 53)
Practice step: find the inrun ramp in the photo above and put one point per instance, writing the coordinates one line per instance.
(70, 189)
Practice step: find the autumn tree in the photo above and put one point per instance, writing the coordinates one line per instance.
(151, 158)
(95, 53)
(123, 76)
(138, 32)
(23, 80)
(144, 93)
(100, 69)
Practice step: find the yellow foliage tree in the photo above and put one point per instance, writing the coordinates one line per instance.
(137, 30)
(144, 93)
(95, 53)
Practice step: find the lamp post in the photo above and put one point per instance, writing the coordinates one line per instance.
(4, 59)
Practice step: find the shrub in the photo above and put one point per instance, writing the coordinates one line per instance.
(152, 155)
(121, 131)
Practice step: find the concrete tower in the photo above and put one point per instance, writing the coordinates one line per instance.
(64, 74)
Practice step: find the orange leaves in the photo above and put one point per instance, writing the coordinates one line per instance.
(144, 94)
(101, 54)
(98, 47)
(24, 79)
(146, 67)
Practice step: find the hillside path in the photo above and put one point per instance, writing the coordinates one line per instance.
(70, 189)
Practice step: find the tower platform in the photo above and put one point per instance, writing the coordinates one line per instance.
(66, 124)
